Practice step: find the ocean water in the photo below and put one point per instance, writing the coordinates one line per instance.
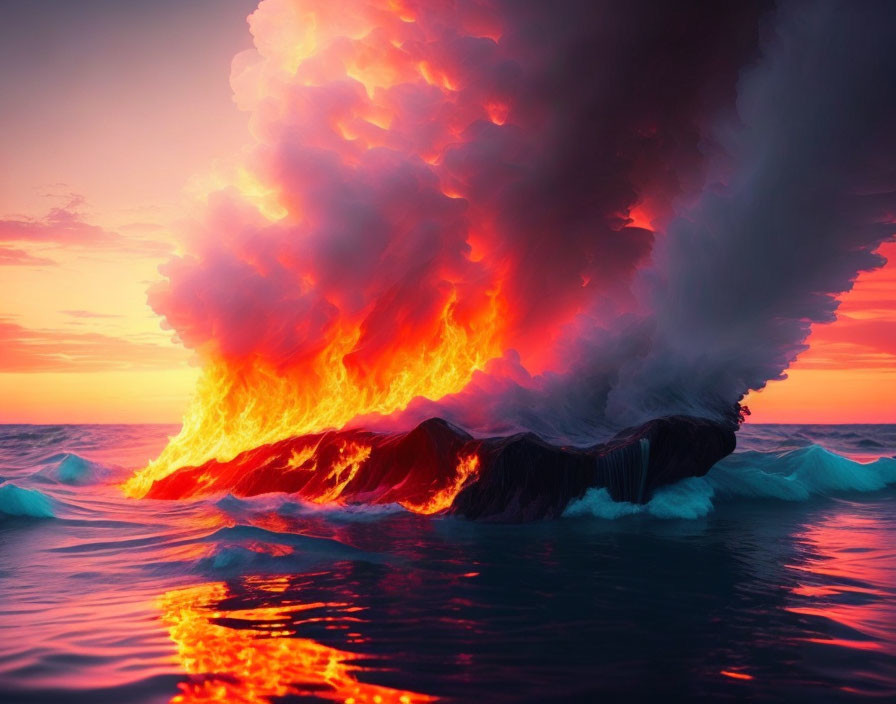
(771, 579)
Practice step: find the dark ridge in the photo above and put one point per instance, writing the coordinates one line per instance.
(520, 478)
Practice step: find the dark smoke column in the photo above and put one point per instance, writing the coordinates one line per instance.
(808, 194)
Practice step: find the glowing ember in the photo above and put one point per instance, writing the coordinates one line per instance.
(343, 470)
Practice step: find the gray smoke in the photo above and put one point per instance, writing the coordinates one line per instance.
(800, 190)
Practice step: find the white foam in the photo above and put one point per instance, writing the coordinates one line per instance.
(790, 476)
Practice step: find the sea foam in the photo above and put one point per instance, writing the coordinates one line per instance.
(796, 475)
(72, 469)
(15, 501)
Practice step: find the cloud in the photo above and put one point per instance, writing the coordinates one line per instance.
(852, 344)
(474, 181)
(25, 349)
(63, 225)
(66, 225)
(87, 314)
(11, 256)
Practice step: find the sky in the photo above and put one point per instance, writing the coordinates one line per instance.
(115, 118)
(109, 110)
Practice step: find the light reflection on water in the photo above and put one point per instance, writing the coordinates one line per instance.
(846, 590)
(248, 655)
(265, 600)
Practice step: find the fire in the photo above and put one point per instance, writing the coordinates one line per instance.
(351, 456)
(467, 468)
(254, 665)
(371, 52)
(237, 409)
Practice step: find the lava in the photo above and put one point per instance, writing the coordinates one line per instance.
(467, 468)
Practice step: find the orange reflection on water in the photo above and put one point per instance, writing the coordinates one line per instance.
(250, 665)
(849, 573)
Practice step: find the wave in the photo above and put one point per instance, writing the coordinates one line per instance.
(242, 548)
(29, 503)
(291, 505)
(73, 469)
(795, 475)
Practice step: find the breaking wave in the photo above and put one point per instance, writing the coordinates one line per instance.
(793, 475)
(27, 503)
(73, 469)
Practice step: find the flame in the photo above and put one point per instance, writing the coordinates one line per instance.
(467, 468)
(236, 409)
(253, 665)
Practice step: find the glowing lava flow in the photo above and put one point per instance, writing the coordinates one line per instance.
(423, 470)
(343, 471)
(252, 665)
(467, 468)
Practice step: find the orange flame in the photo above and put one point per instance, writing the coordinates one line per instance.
(253, 665)
(238, 409)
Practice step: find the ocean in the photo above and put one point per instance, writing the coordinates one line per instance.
(771, 579)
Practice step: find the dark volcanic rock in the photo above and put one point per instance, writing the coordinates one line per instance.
(523, 478)
(518, 478)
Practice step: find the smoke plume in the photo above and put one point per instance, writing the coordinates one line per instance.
(567, 217)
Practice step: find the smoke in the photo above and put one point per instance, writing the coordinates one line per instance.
(581, 214)
(801, 190)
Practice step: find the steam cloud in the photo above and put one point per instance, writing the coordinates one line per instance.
(633, 209)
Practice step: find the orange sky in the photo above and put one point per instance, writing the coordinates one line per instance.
(107, 142)
(848, 374)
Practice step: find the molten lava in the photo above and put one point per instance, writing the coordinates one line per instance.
(240, 407)
(424, 469)
(443, 498)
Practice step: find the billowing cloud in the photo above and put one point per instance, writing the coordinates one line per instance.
(565, 217)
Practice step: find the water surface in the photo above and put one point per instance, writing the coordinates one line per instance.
(772, 579)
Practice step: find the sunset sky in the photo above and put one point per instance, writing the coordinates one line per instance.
(114, 117)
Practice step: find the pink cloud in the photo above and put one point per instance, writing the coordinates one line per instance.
(10, 256)
(39, 350)
(67, 225)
